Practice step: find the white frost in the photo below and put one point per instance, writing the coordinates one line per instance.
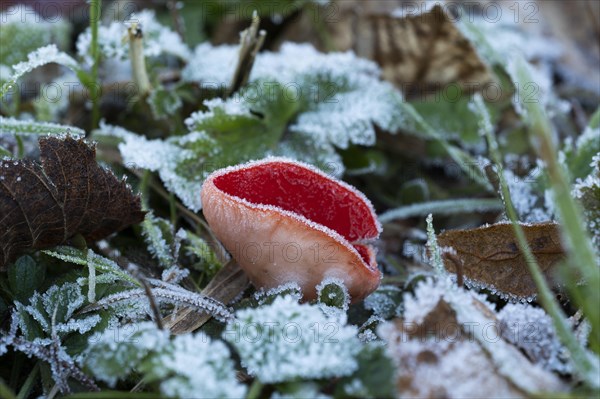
(286, 340)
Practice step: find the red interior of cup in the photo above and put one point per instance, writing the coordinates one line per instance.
(305, 192)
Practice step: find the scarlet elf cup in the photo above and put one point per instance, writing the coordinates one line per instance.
(285, 221)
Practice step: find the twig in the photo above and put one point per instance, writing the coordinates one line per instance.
(153, 306)
(250, 43)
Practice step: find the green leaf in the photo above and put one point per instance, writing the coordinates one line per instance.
(595, 120)
(160, 238)
(4, 152)
(227, 133)
(384, 302)
(450, 116)
(208, 261)
(465, 161)
(359, 160)
(42, 56)
(579, 157)
(100, 263)
(164, 103)
(18, 127)
(24, 277)
(375, 377)
(5, 391)
(23, 32)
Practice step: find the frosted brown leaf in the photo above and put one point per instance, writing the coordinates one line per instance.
(45, 205)
(490, 255)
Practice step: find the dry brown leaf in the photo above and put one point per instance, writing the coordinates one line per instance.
(225, 286)
(420, 53)
(451, 334)
(45, 205)
(425, 53)
(491, 256)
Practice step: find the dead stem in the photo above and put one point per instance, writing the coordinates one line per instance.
(138, 61)
(251, 40)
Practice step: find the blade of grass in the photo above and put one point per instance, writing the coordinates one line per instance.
(5, 391)
(464, 160)
(584, 365)
(443, 207)
(581, 254)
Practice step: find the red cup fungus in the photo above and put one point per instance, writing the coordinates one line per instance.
(285, 221)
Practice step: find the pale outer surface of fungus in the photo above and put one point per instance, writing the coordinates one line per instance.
(275, 246)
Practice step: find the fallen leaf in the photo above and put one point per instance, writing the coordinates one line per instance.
(454, 335)
(45, 205)
(420, 52)
(226, 285)
(491, 256)
(425, 53)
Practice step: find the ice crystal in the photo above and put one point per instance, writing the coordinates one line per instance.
(286, 340)
(42, 56)
(460, 344)
(528, 204)
(333, 293)
(112, 42)
(435, 252)
(174, 274)
(185, 366)
(367, 336)
(384, 302)
(62, 365)
(168, 157)
(44, 322)
(14, 126)
(195, 365)
(587, 190)
(111, 357)
(301, 391)
(54, 311)
(154, 230)
(212, 65)
(344, 94)
(86, 258)
(532, 330)
(427, 295)
(216, 65)
(216, 106)
(165, 293)
(267, 296)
